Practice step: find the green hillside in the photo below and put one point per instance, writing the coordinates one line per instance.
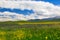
(28, 30)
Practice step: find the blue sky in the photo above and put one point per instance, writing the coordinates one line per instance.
(56, 2)
(25, 10)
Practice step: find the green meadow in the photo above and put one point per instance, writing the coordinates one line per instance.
(30, 30)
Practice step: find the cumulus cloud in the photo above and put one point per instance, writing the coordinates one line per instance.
(41, 9)
(8, 16)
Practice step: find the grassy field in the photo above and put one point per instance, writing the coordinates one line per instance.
(29, 30)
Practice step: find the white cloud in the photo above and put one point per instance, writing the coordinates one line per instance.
(8, 16)
(41, 9)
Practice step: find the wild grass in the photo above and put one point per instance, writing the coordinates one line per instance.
(37, 31)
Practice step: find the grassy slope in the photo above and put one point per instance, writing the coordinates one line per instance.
(23, 30)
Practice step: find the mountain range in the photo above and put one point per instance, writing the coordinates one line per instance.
(57, 18)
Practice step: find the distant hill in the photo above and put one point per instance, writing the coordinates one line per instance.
(46, 19)
(57, 18)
